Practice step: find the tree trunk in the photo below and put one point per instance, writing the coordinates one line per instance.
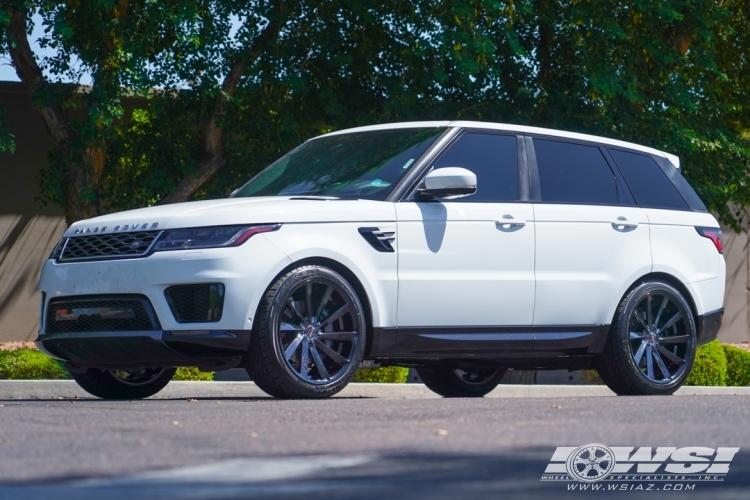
(82, 172)
(213, 155)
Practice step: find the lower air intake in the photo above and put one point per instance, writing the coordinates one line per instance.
(196, 303)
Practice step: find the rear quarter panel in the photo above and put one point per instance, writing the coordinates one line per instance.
(679, 250)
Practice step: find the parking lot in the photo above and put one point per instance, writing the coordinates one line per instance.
(386, 445)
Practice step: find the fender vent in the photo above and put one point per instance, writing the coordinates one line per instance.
(379, 240)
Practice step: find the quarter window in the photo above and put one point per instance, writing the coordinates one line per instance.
(492, 158)
(647, 181)
(574, 173)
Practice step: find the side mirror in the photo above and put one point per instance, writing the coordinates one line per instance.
(448, 182)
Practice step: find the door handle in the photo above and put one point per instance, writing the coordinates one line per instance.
(622, 223)
(508, 221)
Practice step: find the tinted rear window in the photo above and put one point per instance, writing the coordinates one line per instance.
(648, 183)
(574, 173)
(492, 158)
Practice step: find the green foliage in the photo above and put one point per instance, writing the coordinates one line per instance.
(193, 374)
(665, 74)
(383, 375)
(738, 366)
(30, 364)
(710, 366)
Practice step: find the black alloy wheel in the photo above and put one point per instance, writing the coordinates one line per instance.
(651, 346)
(124, 383)
(310, 335)
(460, 383)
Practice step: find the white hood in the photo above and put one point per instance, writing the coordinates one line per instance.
(230, 211)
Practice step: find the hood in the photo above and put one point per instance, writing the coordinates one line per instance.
(231, 211)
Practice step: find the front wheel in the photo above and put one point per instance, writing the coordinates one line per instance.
(310, 335)
(124, 384)
(651, 345)
(457, 383)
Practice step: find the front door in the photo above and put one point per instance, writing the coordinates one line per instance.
(466, 266)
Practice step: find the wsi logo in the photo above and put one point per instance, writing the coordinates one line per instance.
(598, 462)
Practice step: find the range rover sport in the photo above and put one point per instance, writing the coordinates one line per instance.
(462, 249)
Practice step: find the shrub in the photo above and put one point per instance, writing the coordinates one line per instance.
(591, 377)
(192, 374)
(738, 366)
(30, 364)
(710, 367)
(383, 375)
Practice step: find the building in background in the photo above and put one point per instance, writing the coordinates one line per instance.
(29, 231)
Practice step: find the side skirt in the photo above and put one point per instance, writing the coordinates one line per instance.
(541, 346)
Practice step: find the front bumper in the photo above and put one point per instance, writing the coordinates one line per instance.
(211, 350)
(244, 271)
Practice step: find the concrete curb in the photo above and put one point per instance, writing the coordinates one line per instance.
(68, 389)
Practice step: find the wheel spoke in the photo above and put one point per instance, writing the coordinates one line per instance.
(639, 352)
(323, 301)
(338, 335)
(649, 362)
(319, 363)
(335, 316)
(640, 320)
(675, 339)
(636, 335)
(671, 322)
(290, 302)
(336, 357)
(292, 347)
(304, 364)
(649, 316)
(308, 300)
(662, 367)
(289, 327)
(663, 305)
(670, 356)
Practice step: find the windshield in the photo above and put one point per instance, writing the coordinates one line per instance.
(365, 165)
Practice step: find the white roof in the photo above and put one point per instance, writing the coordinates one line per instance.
(514, 128)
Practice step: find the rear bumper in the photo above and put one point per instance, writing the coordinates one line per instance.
(210, 349)
(709, 325)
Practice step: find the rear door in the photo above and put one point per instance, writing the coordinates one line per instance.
(592, 242)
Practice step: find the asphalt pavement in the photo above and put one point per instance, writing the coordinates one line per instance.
(376, 446)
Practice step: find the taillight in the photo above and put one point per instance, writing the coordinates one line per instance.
(713, 234)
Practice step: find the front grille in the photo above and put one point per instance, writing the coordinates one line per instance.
(101, 314)
(196, 303)
(108, 246)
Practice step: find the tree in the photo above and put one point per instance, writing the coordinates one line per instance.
(217, 89)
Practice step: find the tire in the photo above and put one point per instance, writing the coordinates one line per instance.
(309, 337)
(651, 345)
(454, 383)
(124, 384)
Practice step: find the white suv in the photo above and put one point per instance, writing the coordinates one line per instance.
(462, 249)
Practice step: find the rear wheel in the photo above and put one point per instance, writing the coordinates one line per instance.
(124, 384)
(457, 383)
(651, 345)
(310, 335)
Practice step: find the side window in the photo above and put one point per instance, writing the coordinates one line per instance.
(647, 181)
(492, 158)
(574, 173)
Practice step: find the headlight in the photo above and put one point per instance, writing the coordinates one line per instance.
(58, 249)
(209, 237)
